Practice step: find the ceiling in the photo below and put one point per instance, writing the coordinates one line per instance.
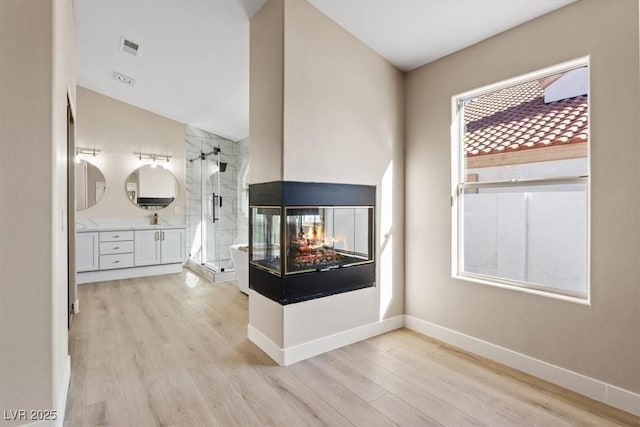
(411, 33)
(193, 63)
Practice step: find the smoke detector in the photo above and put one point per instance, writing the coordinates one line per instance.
(129, 46)
(123, 79)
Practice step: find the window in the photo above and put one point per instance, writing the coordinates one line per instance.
(521, 183)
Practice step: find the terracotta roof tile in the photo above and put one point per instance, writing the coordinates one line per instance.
(517, 118)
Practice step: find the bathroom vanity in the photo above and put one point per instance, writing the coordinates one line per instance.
(113, 249)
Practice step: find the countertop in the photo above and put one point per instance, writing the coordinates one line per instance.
(126, 224)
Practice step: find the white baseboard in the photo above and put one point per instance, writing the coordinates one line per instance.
(598, 390)
(126, 273)
(290, 355)
(265, 344)
(61, 404)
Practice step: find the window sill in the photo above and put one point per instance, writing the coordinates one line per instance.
(586, 300)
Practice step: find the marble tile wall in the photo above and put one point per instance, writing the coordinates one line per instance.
(243, 191)
(231, 226)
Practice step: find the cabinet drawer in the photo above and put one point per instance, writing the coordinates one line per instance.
(107, 248)
(108, 262)
(115, 236)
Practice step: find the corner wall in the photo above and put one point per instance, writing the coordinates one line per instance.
(34, 362)
(343, 123)
(119, 129)
(64, 85)
(601, 341)
(326, 108)
(265, 96)
(26, 223)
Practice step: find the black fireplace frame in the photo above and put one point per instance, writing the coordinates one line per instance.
(292, 288)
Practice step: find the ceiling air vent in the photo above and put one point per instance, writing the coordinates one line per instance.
(123, 79)
(129, 46)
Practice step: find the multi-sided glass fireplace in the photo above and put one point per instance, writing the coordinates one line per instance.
(309, 240)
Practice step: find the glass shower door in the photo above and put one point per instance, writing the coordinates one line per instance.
(212, 210)
(211, 188)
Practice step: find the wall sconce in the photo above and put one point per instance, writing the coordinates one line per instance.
(152, 156)
(91, 151)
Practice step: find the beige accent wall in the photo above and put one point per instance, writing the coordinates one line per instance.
(33, 253)
(326, 108)
(266, 85)
(602, 340)
(64, 85)
(343, 122)
(119, 129)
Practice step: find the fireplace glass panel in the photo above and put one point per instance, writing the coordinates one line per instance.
(265, 235)
(323, 238)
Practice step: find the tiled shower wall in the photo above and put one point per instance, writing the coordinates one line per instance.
(232, 226)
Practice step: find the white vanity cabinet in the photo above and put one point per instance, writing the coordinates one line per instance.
(116, 249)
(87, 251)
(159, 246)
(121, 254)
(173, 246)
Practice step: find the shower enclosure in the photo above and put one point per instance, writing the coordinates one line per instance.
(210, 206)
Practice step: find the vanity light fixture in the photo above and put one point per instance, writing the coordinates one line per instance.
(79, 150)
(152, 156)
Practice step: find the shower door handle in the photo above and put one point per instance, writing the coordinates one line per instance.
(213, 205)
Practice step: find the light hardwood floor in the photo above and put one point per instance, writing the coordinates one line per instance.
(172, 350)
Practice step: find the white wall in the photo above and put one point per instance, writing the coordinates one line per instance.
(33, 250)
(601, 341)
(119, 129)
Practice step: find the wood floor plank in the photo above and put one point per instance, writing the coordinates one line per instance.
(347, 403)
(513, 410)
(111, 412)
(173, 350)
(500, 381)
(104, 376)
(401, 413)
(480, 410)
(262, 399)
(359, 384)
(428, 402)
(313, 409)
(228, 407)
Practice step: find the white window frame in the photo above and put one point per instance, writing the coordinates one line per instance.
(458, 185)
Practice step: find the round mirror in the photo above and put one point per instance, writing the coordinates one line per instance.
(90, 185)
(151, 188)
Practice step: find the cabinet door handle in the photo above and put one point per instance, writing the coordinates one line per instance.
(115, 248)
(157, 235)
(116, 261)
(116, 236)
(162, 235)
